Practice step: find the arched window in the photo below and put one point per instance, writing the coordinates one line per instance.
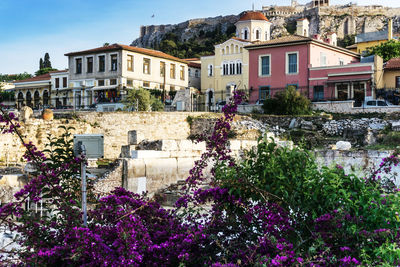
(257, 34)
(227, 50)
(238, 67)
(29, 99)
(223, 51)
(245, 34)
(20, 100)
(241, 50)
(236, 49)
(210, 70)
(45, 97)
(36, 99)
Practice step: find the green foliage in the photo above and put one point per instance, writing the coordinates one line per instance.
(291, 26)
(138, 99)
(194, 47)
(319, 198)
(348, 40)
(387, 51)
(41, 64)
(287, 102)
(43, 71)
(156, 104)
(14, 77)
(7, 96)
(46, 61)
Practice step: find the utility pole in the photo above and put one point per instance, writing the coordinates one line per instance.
(83, 184)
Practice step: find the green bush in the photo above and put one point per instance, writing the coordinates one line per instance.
(156, 104)
(138, 99)
(287, 102)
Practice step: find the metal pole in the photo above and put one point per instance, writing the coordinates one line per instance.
(83, 176)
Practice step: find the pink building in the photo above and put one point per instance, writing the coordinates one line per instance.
(319, 70)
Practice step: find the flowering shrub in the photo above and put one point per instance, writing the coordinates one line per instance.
(274, 207)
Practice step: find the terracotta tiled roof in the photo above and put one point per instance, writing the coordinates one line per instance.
(293, 39)
(116, 47)
(194, 65)
(192, 59)
(43, 77)
(58, 71)
(393, 64)
(241, 40)
(253, 15)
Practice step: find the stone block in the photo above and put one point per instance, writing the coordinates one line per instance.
(343, 145)
(185, 145)
(135, 168)
(249, 144)
(201, 146)
(235, 145)
(185, 154)
(137, 185)
(126, 151)
(169, 145)
(396, 126)
(152, 154)
(184, 166)
(160, 173)
(134, 137)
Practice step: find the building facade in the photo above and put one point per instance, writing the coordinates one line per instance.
(319, 70)
(105, 74)
(228, 68)
(194, 72)
(33, 92)
(61, 94)
(391, 75)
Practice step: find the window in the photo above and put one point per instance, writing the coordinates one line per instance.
(146, 65)
(89, 62)
(57, 83)
(342, 91)
(162, 69)
(64, 82)
(172, 71)
(257, 34)
(146, 84)
(182, 73)
(264, 92)
(265, 65)
(102, 63)
(129, 82)
(292, 63)
(190, 74)
(210, 70)
(323, 59)
(245, 34)
(231, 68)
(397, 81)
(78, 65)
(318, 92)
(114, 62)
(196, 73)
(224, 69)
(113, 81)
(239, 68)
(101, 82)
(172, 88)
(129, 63)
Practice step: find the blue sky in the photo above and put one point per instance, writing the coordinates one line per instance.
(30, 28)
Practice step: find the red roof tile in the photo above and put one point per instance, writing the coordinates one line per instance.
(393, 64)
(253, 15)
(116, 47)
(194, 65)
(43, 77)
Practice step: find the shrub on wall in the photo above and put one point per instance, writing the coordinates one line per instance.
(287, 102)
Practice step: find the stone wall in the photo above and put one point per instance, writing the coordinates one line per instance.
(348, 107)
(114, 126)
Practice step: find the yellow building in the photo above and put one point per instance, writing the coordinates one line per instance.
(228, 68)
(391, 75)
(370, 39)
(33, 92)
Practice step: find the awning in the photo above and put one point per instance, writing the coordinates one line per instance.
(104, 88)
(348, 80)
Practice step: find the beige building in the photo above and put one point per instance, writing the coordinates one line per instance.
(105, 74)
(33, 92)
(391, 75)
(228, 68)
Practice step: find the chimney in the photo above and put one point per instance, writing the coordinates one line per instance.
(332, 38)
(303, 27)
(390, 29)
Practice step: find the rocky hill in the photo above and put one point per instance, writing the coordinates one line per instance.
(344, 20)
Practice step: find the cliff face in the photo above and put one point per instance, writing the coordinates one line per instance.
(343, 20)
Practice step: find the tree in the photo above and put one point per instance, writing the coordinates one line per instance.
(387, 51)
(287, 102)
(348, 40)
(138, 99)
(46, 61)
(41, 64)
(43, 71)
